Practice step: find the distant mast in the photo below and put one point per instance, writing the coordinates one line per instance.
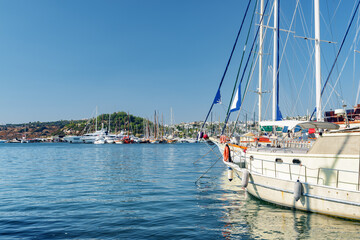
(317, 61)
(96, 122)
(155, 136)
(128, 124)
(109, 125)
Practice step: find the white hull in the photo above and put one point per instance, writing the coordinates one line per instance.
(99, 142)
(73, 139)
(334, 192)
(89, 140)
(315, 198)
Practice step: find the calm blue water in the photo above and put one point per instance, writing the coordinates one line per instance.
(65, 191)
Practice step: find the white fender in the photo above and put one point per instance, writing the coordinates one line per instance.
(230, 174)
(297, 190)
(245, 178)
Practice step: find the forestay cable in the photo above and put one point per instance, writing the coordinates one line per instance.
(227, 66)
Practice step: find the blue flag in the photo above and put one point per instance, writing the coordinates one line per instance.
(217, 97)
(235, 106)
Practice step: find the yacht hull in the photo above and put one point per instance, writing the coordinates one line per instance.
(314, 198)
(274, 185)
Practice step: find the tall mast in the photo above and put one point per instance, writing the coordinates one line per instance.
(158, 125)
(317, 61)
(275, 61)
(171, 117)
(109, 124)
(128, 124)
(96, 118)
(162, 123)
(155, 125)
(260, 58)
(171, 122)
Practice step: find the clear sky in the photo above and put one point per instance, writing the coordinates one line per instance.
(61, 59)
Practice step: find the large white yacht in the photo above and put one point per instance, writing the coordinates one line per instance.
(320, 176)
(73, 139)
(324, 178)
(92, 137)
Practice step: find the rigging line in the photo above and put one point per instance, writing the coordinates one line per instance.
(342, 44)
(291, 77)
(242, 58)
(270, 95)
(287, 37)
(228, 63)
(358, 91)
(266, 76)
(354, 60)
(243, 99)
(204, 155)
(223, 107)
(337, 56)
(335, 12)
(247, 61)
(246, 89)
(329, 28)
(357, 95)
(337, 68)
(309, 47)
(303, 82)
(305, 28)
(208, 170)
(337, 80)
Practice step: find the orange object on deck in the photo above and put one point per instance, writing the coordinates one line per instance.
(227, 153)
(224, 139)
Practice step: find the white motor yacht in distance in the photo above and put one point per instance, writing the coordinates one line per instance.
(91, 137)
(73, 139)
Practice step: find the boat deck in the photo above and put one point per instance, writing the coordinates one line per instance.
(279, 150)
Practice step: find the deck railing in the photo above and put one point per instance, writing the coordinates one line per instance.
(289, 171)
(292, 143)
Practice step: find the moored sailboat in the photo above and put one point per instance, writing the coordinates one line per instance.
(319, 176)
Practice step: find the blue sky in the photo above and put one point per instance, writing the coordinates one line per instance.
(61, 59)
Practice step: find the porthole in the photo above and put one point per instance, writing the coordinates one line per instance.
(296, 161)
(279, 160)
(251, 158)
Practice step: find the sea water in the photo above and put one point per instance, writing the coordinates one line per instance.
(140, 191)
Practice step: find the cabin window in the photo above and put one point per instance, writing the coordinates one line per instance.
(251, 158)
(279, 160)
(296, 161)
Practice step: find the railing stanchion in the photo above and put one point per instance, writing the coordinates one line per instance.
(275, 168)
(317, 179)
(290, 172)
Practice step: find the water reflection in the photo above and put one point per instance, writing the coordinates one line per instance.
(247, 217)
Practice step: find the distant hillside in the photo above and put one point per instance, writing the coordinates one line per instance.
(31, 130)
(118, 121)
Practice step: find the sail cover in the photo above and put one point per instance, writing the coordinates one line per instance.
(235, 106)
